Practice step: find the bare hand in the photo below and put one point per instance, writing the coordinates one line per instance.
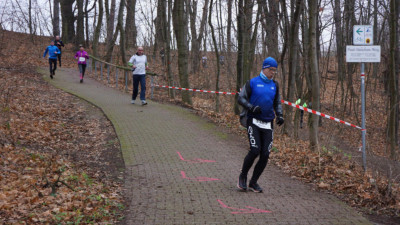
(134, 67)
(147, 67)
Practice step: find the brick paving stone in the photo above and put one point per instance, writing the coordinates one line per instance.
(150, 138)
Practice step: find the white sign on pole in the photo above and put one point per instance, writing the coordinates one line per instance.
(363, 35)
(362, 54)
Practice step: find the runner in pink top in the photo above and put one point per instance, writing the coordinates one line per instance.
(81, 55)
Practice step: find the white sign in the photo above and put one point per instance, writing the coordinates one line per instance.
(363, 35)
(363, 53)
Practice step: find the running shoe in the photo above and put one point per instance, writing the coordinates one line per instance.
(51, 76)
(242, 183)
(144, 102)
(81, 80)
(133, 102)
(255, 187)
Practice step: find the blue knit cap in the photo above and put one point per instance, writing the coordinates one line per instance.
(269, 62)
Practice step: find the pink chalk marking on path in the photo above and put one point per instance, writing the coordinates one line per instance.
(195, 160)
(243, 211)
(197, 178)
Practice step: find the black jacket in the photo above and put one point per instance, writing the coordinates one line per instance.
(59, 44)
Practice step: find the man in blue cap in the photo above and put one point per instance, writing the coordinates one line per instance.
(261, 105)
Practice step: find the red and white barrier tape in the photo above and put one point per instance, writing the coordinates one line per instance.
(320, 114)
(283, 101)
(195, 90)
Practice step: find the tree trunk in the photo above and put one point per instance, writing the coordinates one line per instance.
(285, 33)
(270, 24)
(220, 27)
(271, 29)
(180, 28)
(56, 18)
(229, 28)
(313, 14)
(216, 56)
(110, 41)
(197, 38)
(253, 43)
(375, 15)
(98, 29)
(393, 88)
(248, 51)
(159, 23)
(293, 61)
(239, 62)
(130, 27)
(87, 23)
(30, 17)
(80, 32)
(168, 52)
(339, 39)
(120, 27)
(68, 19)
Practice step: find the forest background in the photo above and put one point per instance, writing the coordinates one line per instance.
(307, 38)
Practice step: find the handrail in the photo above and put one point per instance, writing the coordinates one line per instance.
(120, 67)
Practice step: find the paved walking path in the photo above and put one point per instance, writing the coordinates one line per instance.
(182, 170)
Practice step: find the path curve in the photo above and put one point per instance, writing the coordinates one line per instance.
(182, 170)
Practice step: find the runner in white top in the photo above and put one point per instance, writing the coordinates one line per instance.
(139, 67)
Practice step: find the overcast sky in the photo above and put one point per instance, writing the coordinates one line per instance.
(14, 16)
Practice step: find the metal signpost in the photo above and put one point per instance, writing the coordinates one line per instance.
(363, 51)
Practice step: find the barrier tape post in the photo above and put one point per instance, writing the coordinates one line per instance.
(90, 65)
(126, 82)
(108, 74)
(152, 87)
(95, 68)
(116, 77)
(101, 71)
(363, 132)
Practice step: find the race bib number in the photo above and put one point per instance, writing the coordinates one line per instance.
(82, 59)
(261, 124)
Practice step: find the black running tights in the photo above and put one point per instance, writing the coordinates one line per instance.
(260, 145)
(53, 65)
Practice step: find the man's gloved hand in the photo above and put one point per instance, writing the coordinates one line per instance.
(255, 109)
(280, 120)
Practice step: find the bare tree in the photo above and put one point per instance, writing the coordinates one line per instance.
(168, 51)
(197, 38)
(96, 36)
(120, 28)
(313, 54)
(68, 20)
(269, 21)
(293, 59)
(86, 15)
(246, 38)
(393, 80)
(111, 35)
(80, 29)
(216, 56)
(130, 25)
(159, 23)
(30, 18)
(180, 28)
(56, 18)
(229, 27)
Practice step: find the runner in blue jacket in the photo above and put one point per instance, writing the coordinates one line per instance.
(53, 52)
(261, 106)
